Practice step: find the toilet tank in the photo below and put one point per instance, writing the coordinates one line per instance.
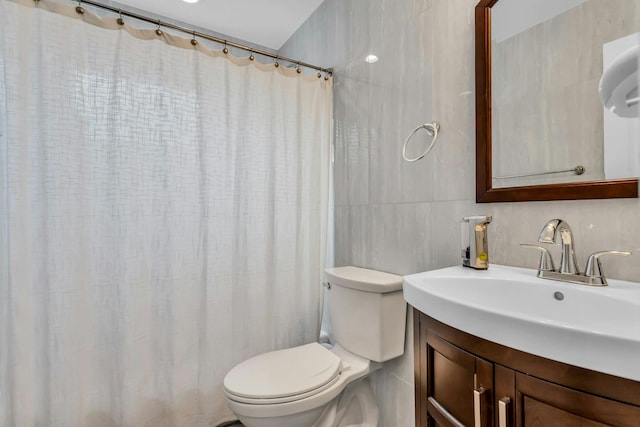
(368, 312)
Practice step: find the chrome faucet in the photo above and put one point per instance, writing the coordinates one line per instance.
(568, 271)
(568, 262)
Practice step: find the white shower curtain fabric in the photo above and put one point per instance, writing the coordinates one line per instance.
(163, 217)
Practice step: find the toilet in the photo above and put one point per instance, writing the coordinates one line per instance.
(315, 386)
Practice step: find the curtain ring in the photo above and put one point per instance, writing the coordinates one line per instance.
(225, 50)
(319, 74)
(194, 42)
(120, 20)
(158, 30)
(432, 129)
(276, 64)
(79, 8)
(251, 57)
(298, 70)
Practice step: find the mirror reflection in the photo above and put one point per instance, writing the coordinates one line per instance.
(564, 91)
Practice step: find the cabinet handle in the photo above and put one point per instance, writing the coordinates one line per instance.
(503, 411)
(439, 409)
(477, 406)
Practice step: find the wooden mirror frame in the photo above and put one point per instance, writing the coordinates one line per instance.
(485, 193)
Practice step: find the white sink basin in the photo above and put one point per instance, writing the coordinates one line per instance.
(596, 328)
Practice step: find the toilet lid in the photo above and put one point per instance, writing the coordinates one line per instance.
(283, 373)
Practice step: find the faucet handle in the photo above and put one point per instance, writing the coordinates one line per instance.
(546, 262)
(594, 268)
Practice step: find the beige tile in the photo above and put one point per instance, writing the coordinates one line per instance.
(398, 409)
(400, 101)
(402, 367)
(351, 135)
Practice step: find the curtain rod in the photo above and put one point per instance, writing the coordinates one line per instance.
(195, 33)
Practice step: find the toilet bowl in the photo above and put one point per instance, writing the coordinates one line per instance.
(313, 386)
(298, 386)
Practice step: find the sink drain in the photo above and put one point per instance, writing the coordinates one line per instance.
(558, 295)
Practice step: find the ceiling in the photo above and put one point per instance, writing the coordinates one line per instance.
(267, 23)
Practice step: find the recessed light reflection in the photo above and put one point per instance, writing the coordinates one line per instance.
(371, 59)
(190, 1)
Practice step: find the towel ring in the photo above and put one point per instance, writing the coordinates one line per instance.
(432, 129)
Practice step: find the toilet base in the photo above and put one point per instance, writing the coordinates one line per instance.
(355, 407)
(302, 419)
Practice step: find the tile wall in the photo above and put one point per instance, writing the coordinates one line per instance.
(404, 217)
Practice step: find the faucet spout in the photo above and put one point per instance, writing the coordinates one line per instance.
(549, 233)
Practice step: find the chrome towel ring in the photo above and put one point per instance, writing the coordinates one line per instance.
(432, 129)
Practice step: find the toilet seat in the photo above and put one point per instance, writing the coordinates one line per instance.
(283, 376)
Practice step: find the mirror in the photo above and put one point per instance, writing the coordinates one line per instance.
(539, 106)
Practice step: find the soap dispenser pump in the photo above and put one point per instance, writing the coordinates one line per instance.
(475, 246)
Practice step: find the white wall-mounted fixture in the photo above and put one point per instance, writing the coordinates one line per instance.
(619, 84)
(621, 131)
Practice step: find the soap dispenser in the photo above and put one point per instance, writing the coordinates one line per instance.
(475, 246)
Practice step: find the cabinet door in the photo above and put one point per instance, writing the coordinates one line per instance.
(459, 386)
(541, 403)
(504, 396)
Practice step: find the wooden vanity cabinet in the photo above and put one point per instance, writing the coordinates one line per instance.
(463, 380)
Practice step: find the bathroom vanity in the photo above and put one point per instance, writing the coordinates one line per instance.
(458, 374)
(501, 348)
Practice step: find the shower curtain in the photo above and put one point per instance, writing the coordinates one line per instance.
(163, 217)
